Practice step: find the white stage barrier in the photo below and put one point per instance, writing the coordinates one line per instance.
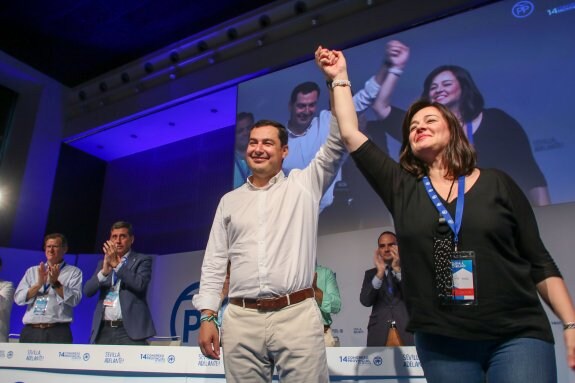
(46, 363)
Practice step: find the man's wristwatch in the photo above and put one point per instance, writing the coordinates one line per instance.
(56, 285)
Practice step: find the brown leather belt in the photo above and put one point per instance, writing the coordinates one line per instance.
(112, 323)
(275, 303)
(47, 325)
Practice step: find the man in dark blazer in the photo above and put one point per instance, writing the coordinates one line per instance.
(122, 314)
(382, 291)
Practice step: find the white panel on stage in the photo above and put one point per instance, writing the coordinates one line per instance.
(46, 363)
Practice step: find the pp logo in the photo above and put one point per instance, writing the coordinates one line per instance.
(185, 319)
(378, 360)
(522, 9)
(9, 354)
(86, 356)
(171, 359)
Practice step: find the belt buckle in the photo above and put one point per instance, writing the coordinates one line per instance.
(265, 304)
(112, 324)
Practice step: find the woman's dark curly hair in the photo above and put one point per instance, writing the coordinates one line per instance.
(471, 102)
(459, 155)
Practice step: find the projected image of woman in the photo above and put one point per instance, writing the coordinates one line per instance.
(499, 140)
(492, 131)
(473, 263)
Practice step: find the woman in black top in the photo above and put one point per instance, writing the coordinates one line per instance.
(473, 262)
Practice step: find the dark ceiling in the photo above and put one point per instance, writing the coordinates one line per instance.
(73, 41)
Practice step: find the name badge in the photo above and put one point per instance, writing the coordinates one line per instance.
(40, 304)
(464, 278)
(111, 299)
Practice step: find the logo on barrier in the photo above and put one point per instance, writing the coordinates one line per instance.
(86, 356)
(522, 9)
(171, 359)
(185, 318)
(9, 354)
(377, 360)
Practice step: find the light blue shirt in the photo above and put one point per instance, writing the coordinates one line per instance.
(303, 148)
(376, 282)
(113, 312)
(58, 309)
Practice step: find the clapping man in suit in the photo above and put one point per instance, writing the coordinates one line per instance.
(122, 315)
(382, 291)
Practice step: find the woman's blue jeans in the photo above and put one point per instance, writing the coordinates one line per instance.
(520, 360)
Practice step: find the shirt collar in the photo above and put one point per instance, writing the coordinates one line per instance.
(125, 256)
(59, 263)
(292, 134)
(275, 179)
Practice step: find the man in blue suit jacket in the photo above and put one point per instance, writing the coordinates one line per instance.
(122, 314)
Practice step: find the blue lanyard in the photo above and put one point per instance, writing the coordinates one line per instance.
(455, 225)
(114, 280)
(469, 127)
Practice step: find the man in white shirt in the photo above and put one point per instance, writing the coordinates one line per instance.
(267, 229)
(308, 128)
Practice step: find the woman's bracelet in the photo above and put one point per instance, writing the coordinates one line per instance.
(396, 71)
(569, 326)
(331, 84)
(210, 318)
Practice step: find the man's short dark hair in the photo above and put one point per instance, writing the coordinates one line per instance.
(55, 236)
(304, 88)
(459, 156)
(122, 225)
(386, 232)
(282, 131)
(244, 115)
